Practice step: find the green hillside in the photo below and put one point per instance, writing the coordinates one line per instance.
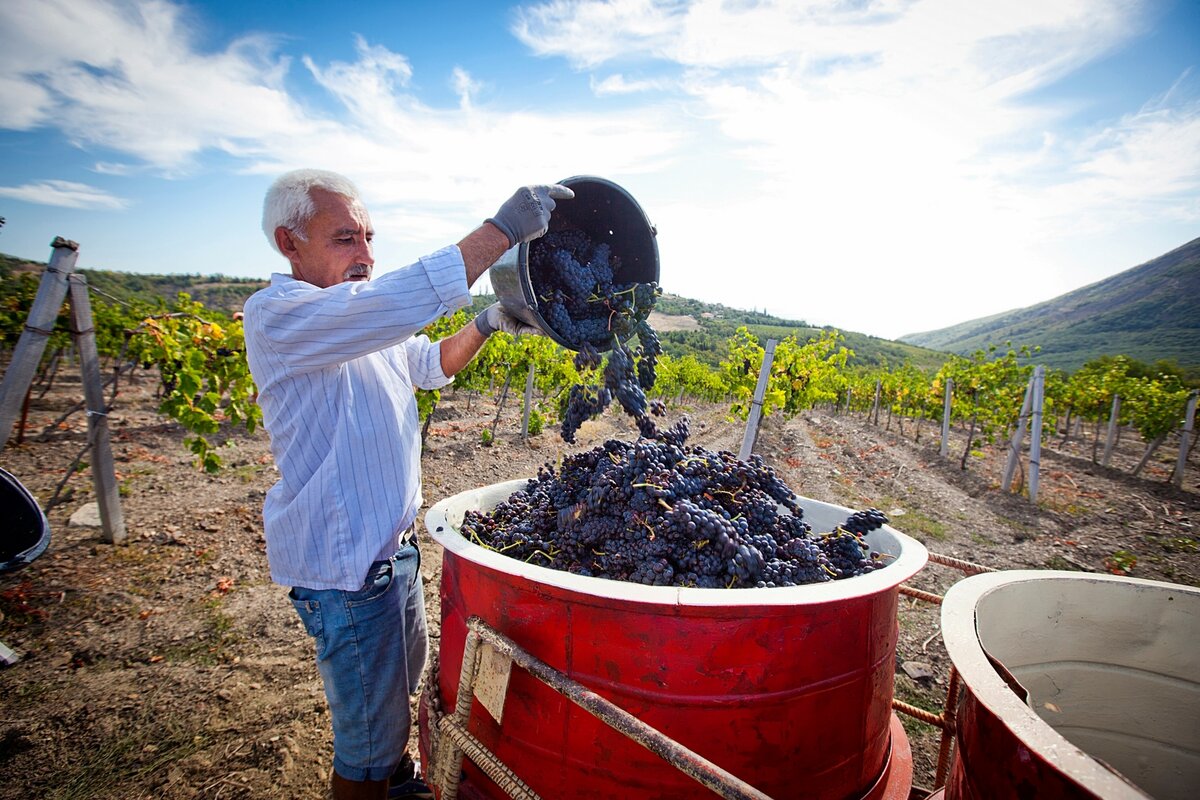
(715, 323)
(1150, 313)
(215, 291)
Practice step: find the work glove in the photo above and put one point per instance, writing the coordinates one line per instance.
(495, 318)
(526, 215)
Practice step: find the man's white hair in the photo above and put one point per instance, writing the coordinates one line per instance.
(289, 205)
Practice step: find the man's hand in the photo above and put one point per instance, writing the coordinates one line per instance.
(495, 318)
(526, 215)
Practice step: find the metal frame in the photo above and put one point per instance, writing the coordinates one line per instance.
(947, 721)
(447, 756)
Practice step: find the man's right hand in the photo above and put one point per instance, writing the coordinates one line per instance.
(526, 215)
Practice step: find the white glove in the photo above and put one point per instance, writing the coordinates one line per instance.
(495, 318)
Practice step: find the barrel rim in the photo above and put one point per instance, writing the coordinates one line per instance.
(911, 557)
(29, 554)
(961, 638)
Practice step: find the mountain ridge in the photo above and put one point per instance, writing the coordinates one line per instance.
(1149, 312)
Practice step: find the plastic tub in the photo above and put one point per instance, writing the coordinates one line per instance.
(607, 213)
(1111, 669)
(789, 689)
(25, 534)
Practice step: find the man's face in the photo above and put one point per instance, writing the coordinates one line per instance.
(338, 245)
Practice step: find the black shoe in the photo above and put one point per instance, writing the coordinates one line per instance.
(406, 782)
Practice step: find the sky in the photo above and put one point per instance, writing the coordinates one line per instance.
(883, 167)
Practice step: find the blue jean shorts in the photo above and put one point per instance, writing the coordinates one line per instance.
(371, 648)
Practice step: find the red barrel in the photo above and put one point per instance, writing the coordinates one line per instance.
(789, 689)
(1097, 696)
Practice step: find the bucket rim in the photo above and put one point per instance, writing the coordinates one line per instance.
(442, 526)
(29, 554)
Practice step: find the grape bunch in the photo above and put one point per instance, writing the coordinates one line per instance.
(863, 522)
(659, 512)
(573, 278)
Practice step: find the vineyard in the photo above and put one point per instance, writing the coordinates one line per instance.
(171, 667)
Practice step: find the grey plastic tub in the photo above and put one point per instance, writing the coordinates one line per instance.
(1110, 672)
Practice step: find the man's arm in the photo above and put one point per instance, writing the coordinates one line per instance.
(460, 347)
(480, 249)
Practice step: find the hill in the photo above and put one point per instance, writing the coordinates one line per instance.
(702, 330)
(1149, 312)
(215, 291)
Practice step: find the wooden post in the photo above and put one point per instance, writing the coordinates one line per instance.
(1111, 438)
(875, 407)
(1035, 430)
(1018, 436)
(1185, 441)
(104, 477)
(528, 402)
(760, 390)
(945, 448)
(32, 344)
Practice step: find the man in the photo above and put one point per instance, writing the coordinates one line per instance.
(336, 356)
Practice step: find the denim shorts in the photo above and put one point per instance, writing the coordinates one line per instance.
(371, 648)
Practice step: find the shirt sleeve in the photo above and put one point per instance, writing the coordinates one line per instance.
(308, 327)
(425, 363)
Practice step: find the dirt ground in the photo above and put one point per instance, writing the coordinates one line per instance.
(170, 667)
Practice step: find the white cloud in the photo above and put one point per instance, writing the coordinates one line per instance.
(619, 84)
(130, 77)
(65, 194)
(795, 146)
(890, 142)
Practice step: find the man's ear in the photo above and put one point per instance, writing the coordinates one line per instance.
(285, 241)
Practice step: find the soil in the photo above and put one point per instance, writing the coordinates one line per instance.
(171, 667)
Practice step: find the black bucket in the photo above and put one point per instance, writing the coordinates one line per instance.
(606, 213)
(25, 533)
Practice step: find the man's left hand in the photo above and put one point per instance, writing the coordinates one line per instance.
(495, 318)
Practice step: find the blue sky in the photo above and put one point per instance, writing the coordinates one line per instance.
(885, 167)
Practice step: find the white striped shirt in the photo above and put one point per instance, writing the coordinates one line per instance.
(335, 370)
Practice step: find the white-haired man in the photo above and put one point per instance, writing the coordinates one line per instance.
(336, 357)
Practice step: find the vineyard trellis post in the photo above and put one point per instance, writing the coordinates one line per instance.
(1111, 439)
(38, 326)
(1018, 436)
(875, 407)
(104, 477)
(945, 447)
(1035, 430)
(528, 402)
(57, 280)
(1185, 439)
(760, 391)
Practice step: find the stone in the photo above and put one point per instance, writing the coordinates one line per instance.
(917, 670)
(86, 516)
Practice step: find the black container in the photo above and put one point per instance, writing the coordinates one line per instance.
(25, 532)
(606, 213)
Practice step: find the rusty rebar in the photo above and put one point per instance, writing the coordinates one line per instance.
(957, 563)
(928, 597)
(949, 726)
(686, 761)
(486, 760)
